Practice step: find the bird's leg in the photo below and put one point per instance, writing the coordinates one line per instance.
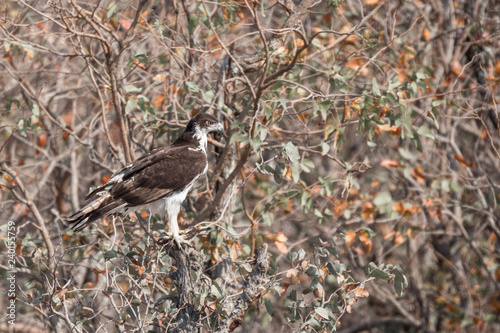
(174, 228)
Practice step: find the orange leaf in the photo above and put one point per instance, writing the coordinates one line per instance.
(367, 211)
(88, 251)
(385, 110)
(399, 239)
(159, 99)
(391, 164)
(389, 129)
(350, 237)
(42, 140)
(65, 134)
(87, 312)
(418, 174)
(280, 237)
(98, 271)
(365, 240)
(361, 293)
(492, 240)
(105, 178)
(235, 251)
(350, 286)
(389, 235)
(456, 67)
(284, 287)
(461, 160)
(281, 247)
(340, 208)
(125, 24)
(426, 34)
(347, 112)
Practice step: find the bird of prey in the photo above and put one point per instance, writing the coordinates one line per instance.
(158, 181)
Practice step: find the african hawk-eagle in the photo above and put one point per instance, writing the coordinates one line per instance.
(158, 181)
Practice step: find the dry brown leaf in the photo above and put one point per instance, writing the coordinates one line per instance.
(159, 77)
(456, 68)
(292, 272)
(281, 247)
(418, 174)
(350, 238)
(391, 164)
(361, 292)
(368, 210)
(365, 240)
(350, 286)
(426, 34)
(399, 239)
(461, 160)
(280, 237)
(65, 134)
(339, 209)
(42, 140)
(389, 129)
(284, 287)
(159, 99)
(125, 24)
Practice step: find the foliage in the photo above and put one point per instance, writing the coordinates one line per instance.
(362, 145)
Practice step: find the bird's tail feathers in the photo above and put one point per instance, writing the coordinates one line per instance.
(94, 208)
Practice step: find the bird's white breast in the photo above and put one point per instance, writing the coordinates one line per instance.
(170, 205)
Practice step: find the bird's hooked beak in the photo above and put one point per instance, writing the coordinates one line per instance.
(218, 127)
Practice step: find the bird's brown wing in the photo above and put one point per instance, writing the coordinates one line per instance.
(158, 174)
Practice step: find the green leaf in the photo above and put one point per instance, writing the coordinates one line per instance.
(131, 104)
(269, 307)
(35, 110)
(438, 102)
(329, 129)
(193, 23)
(375, 88)
(324, 107)
(407, 121)
(192, 87)
(322, 312)
(132, 89)
(383, 198)
(111, 254)
(23, 130)
(112, 10)
(292, 152)
(345, 70)
(301, 254)
(391, 97)
(394, 83)
(379, 274)
(296, 173)
(432, 115)
(325, 148)
(400, 282)
(208, 96)
(312, 271)
(425, 131)
(11, 101)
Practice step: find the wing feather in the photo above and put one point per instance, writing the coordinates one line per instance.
(159, 174)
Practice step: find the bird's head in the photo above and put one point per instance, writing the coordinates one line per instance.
(204, 123)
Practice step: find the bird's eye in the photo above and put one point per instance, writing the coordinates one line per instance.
(209, 123)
